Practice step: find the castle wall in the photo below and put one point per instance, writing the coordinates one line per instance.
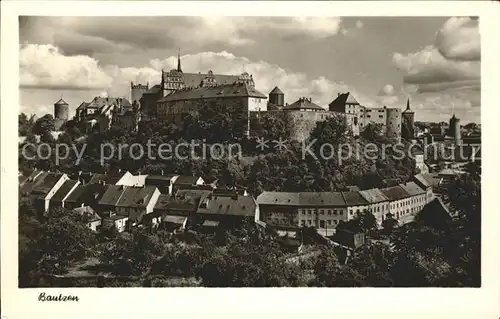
(377, 116)
(175, 111)
(303, 122)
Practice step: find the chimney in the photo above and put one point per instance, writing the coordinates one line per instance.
(338, 94)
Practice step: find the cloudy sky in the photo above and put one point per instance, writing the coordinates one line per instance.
(382, 60)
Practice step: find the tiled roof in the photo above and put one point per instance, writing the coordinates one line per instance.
(219, 91)
(276, 90)
(64, 190)
(111, 178)
(173, 203)
(303, 104)
(47, 184)
(374, 195)
(412, 188)
(279, 198)
(354, 199)
(345, 98)
(103, 101)
(112, 195)
(29, 185)
(22, 179)
(223, 205)
(159, 180)
(186, 180)
(395, 193)
(86, 193)
(301, 199)
(136, 196)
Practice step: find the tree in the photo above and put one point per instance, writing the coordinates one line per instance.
(333, 131)
(25, 124)
(44, 125)
(133, 254)
(389, 223)
(372, 132)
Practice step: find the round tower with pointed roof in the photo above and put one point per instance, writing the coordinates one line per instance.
(61, 113)
(277, 97)
(408, 117)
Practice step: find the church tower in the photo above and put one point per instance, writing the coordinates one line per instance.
(179, 69)
(408, 122)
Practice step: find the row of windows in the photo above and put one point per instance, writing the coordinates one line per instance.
(322, 222)
(408, 202)
(322, 212)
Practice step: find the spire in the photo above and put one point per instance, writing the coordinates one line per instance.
(408, 109)
(408, 104)
(179, 69)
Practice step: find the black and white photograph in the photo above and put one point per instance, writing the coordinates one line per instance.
(203, 151)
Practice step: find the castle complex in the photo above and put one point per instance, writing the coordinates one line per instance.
(180, 93)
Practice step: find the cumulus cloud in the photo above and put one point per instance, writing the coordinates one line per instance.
(387, 95)
(43, 66)
(101, 34)
(459, 39)
(451, 66)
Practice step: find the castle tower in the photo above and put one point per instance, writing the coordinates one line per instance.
(61, 113)
(454, 129)
(277, 97)
(136, 92)
(393, 123)
(408, 119)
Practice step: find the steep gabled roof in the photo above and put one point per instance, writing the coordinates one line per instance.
(136, 196)
(64, 190)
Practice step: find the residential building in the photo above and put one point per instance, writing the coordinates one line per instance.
(110, 219)
(293, 210)
(63, 193)
(164, 183)
(379, 203)
(401, 202)
(135, 202)
(418, 196)
(85, 195)
(185, 181)
(355, 204)
(47, 187)
(218, 207)
(90, 217)
(425, 181)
